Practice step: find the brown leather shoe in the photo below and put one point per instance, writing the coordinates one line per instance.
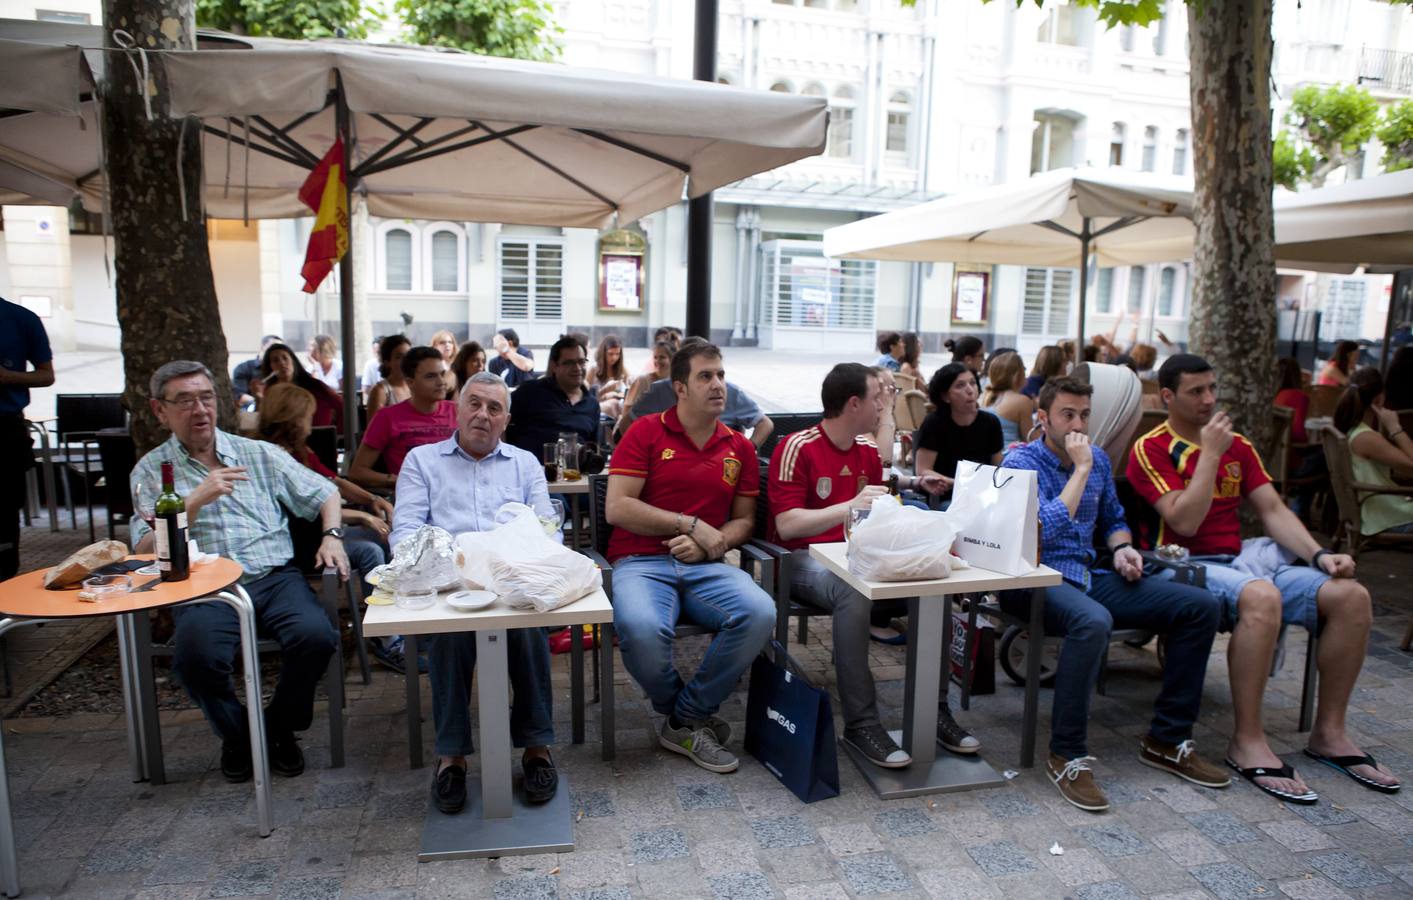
(1076, 782)
(1182, 760)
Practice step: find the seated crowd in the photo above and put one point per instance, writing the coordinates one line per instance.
(451, 438)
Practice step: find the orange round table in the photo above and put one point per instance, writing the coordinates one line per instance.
(24, 601)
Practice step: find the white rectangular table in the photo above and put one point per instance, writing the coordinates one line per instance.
(927, 655)
(497, 821)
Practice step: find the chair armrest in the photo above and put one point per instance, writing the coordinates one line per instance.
(604, 567)
(774, 550)
(753, 554)
(1373, 489)
(1185, 572)
(329, 594)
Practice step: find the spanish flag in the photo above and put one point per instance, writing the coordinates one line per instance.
(324, 192)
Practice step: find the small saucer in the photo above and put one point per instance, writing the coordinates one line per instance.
(470, 601)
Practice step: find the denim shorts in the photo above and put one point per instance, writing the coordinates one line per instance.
(1298, 584)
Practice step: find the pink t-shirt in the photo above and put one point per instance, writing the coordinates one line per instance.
(397, 429)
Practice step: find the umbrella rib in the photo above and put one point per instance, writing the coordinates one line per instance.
(634, 148)
(1121, 223)
(1056, 226)
(282, 157)
(402, 132)
(398, 159)
(304, 157)
(565, 175)
(408, 159)
(285, 140)
(403, 135)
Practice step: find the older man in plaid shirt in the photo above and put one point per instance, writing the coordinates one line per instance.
(236, 493)
(1077, 498)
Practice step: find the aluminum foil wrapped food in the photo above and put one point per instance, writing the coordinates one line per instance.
(424, 559)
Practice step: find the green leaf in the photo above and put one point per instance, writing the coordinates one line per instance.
(1396, 134)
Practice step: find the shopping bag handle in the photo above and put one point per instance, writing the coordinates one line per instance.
(995, 470)
(791, 665)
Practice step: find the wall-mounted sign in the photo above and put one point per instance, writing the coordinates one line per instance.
(971, 293)
(623, 258)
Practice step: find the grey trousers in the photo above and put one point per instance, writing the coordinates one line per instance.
(813, 583)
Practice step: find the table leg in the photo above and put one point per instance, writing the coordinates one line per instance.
(574, 519)
(413, 682)
(9, 858)
(143, 691)
(576, 682)
(127, 666)
(606, 726)
(493, 697)
(240, 601)
(47, 466)
(924, 673)
(1035, 649)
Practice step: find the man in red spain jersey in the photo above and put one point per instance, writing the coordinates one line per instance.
(1195, 471)
(681, 492)
(816, 476)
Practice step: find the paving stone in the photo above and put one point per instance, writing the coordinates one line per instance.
(1312, 888)
(377, 871)
(252, 877)
(742, 886)
(705, 795)
(1403, 871)
(593, 804)
(851, 839)
(1077, 866)
(1106, 890)
(1183, 798)
(174, 869)
(907, 821)
(1322, 814)
(527, 887)
(340, 794)
(726, 857)
(1230, 881)
(1296, 835)
(119, 856)
(796, 865)
(956, 883)
(1008, 804)
(658, 845)
(874, 873)
(325, 888)
(826, 890)
(1222, 828)
(1349, 871)
(1114, 839)
(782, 831)
(1187, 847)
(605, 893)
(1001, 858)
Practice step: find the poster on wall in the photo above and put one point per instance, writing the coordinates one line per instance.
(971, 290)
(622, 271)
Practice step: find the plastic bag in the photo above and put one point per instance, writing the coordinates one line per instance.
(902, 543)
(523, 565)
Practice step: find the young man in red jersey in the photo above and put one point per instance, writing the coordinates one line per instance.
(1195, 471)
(816, 476)
(681, 492)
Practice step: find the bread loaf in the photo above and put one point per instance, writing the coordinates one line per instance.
(77, 567)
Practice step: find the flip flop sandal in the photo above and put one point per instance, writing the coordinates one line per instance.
(1345, 764)
(1308, 798)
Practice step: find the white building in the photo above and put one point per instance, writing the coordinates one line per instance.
(936, 99)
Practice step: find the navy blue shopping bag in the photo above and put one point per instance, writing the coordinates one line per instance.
(790, 729)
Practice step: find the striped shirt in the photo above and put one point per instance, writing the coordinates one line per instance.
(250, 525)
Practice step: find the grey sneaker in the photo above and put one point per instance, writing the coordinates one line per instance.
(696, 741)
(719, 727)
(953, 736)
(877, 745)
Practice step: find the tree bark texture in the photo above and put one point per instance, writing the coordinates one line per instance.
(166, 294)
(1233, 321)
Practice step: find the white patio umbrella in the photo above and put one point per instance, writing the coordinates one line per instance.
(428, 133)
(1067, 218)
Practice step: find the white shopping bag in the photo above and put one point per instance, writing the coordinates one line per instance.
(902, 543)
(996, 511)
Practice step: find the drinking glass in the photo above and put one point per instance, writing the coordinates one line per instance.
(856, 515)
(415, 597)
(144, 499)
(553, 522)
(550, 457)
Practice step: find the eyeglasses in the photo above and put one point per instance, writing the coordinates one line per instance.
(189, 402)
(575, 363)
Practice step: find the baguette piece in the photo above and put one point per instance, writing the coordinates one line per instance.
(72, 571)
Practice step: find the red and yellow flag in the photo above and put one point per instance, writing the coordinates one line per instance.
(325, 193)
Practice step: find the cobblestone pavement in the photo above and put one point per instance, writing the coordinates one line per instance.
(652, 825)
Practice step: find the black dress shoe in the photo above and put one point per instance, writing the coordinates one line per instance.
(541, 779)
(449, 789)
(235, 761)
(285, 756)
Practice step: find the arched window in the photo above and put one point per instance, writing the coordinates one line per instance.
(1180, 152)
(1136, 276)
(1052, 144)
(1150, 149)
(900, 107)
(1059, 25)
(1167, 289)
(783, 87)
(841, 124)
(1116, 144)
(445, 250)
(723, 79)
(814, 89)
(1104, 292)
(397, 267)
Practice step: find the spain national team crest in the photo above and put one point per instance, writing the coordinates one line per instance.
(824, 487)
(1233, 470)
(731, 470)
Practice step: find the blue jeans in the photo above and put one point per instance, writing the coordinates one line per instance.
(452, 662)
(650, 595)
(1187, 615)
(208, 637)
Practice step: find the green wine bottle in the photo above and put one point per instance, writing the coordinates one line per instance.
(169, 528)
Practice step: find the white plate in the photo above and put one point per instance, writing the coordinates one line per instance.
(470, 601)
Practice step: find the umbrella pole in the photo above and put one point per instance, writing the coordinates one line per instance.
(1084, 237)
(699, 209)
(350, 357)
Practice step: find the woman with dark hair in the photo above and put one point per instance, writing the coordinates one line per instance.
(280, 365)
(890, 350)
(959, 429)
(1290, 395)
(967, 350)
(912, 349)
(393, 387)
(608, 376)
(1379, 448)
(1398, 386)
(1342, 362)
(1049, 363)
(469, 360)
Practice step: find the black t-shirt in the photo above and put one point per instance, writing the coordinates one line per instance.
(977, 442)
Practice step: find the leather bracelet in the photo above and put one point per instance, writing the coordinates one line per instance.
(1122, 545)
(678, 528)
(693, 527)
(1315, 558)
(1397, 433)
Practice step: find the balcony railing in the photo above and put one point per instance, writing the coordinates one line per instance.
(1388, 70)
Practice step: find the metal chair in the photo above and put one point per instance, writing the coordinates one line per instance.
(787, 424)
(79, 418)
(118, 456)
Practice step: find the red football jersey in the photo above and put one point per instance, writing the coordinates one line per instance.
(808, 472)
(1163, 462)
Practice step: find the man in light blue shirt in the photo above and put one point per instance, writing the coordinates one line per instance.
(458, 484)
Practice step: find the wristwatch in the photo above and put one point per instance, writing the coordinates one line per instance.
(335, 532)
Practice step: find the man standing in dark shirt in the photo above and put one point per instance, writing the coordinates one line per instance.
(544, 407)
(513, 363)
(22, 343)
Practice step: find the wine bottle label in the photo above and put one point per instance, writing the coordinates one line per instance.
(164, 549)
(181, 521)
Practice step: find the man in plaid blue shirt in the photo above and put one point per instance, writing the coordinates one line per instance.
(236, 491)
(1077, 500)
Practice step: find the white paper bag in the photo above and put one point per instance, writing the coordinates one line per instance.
(997, 511)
